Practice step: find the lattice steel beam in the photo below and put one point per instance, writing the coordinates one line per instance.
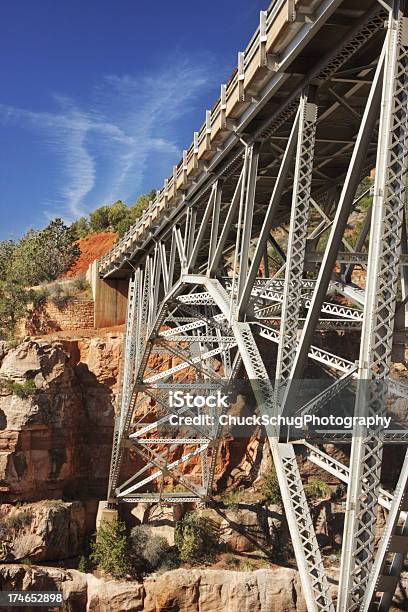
(377, 333)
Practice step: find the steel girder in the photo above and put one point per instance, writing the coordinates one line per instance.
(379, 313)
(203, 322)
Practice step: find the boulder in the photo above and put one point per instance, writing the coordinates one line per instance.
(256, 527)
(162, 519)
(197, 590)
(114, 596)
(71, 583)
(51, 530)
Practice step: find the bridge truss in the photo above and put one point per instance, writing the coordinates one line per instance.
(204, 306)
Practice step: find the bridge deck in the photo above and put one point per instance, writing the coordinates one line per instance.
(298, 42)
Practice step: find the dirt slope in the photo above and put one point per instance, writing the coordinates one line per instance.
(92, 247)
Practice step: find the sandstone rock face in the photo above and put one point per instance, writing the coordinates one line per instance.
(57, 441)
(73, 584)
(264, 590)
(198, 590)
(246, 529)
(162, 519)
(44, 531)
(114, 596)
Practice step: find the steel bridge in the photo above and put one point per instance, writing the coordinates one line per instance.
(318, 99)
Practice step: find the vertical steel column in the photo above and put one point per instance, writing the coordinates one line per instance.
(203, 227)
(265, 233)
(191, 217)
(247, 221)
(129, 361)
(295, 257)
(404, 271)
(246, 171)
(215, 222)
(216, 260)
(379, 312)
(143, 311)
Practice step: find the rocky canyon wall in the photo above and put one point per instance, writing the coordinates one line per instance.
(56, 435)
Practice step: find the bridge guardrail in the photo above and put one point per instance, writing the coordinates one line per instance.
(251, 62)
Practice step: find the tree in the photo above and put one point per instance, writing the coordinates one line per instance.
(195, 538)
(13, 305)
(7, 248)
(270, 488)
(80, 228)
(123, 226)
(141, 204)
(118, 212)
(100, 219)
(42, 256)
(110, 551)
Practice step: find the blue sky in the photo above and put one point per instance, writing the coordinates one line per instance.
(99, 97)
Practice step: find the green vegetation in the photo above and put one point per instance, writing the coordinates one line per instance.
(20, 389)
(140, 553)
(111, 551)
(231, 499)
(317, 489)
(151, 552)
(14, 299)
(195, 538)
(270, 488)
(26, 561)
(61, 293)
(117, 217)
(83, 564)
(41, 256)
(80, 228)
(18, 520)
(38, 257)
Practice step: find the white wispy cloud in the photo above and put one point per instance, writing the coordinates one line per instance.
(102, 151)
(148, 107)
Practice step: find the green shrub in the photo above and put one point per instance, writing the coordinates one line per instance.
(79, 283)
(80, 228)
(317, 489)
(41, 256)
(150, 551)
(40, 296)
(270, 488)
(110, 550)
(13, 343)
(83, 564)
(195, 538)
(99, 219)
(60, 296)
(22, 390)
(18, 520)
(231, 499)
(14, 300)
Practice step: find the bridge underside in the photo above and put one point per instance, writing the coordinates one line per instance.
(247, 277)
